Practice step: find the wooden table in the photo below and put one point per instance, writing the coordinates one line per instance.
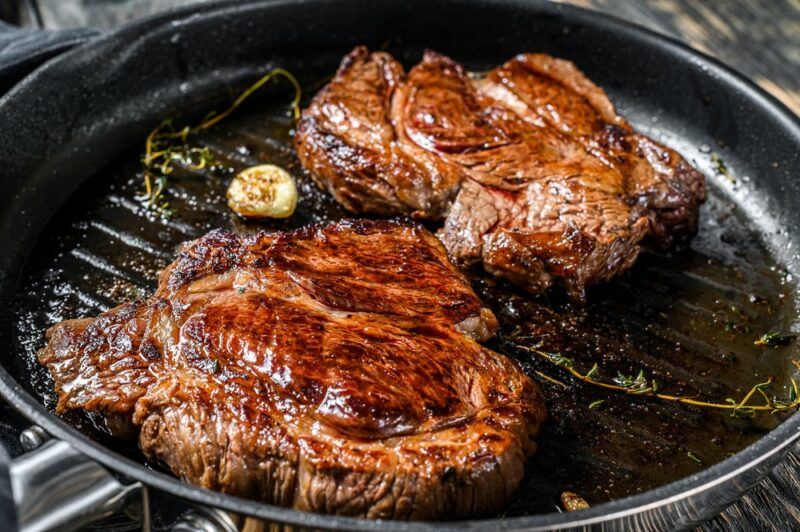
(760, 38)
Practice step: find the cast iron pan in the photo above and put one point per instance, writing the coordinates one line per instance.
(75, 241)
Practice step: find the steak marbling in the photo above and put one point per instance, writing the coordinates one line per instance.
(332, 369)
(534, 173)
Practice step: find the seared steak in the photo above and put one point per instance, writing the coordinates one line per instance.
(534, 173)
(660, 183)
(533, 204)
(347, 142)
(332, 369)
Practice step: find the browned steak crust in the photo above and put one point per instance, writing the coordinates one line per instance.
(332, 369)
(347, 142)
(536, 176)
(659, 183)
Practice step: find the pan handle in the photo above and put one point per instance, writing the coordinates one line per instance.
(55, 487)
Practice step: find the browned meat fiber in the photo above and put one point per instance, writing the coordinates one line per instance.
(530, 167)
(334, 369)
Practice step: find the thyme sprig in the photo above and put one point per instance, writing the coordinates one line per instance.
(166, 145)
(158, 164)
(641, 385)
(693, 457)
(775, 339)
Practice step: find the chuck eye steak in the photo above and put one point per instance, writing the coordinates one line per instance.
(334, 369)
(534, 174)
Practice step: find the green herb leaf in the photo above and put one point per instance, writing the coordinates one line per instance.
(623, 380)
(596, 404)
(775, 339)
(721, 168)
(561, 360)
(693, 457)
(638, 384)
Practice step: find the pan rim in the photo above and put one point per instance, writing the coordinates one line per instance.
(771, 444)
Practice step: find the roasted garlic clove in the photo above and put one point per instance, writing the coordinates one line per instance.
(263, 191)
(572, 502)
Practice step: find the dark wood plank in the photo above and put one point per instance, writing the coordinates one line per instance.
(759, 38)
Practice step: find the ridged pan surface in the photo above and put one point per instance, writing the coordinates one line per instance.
(688, 317)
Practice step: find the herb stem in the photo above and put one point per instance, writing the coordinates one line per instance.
(548, 378)
(639, 387)
(161, 151)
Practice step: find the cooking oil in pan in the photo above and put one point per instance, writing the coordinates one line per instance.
(688, 319)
